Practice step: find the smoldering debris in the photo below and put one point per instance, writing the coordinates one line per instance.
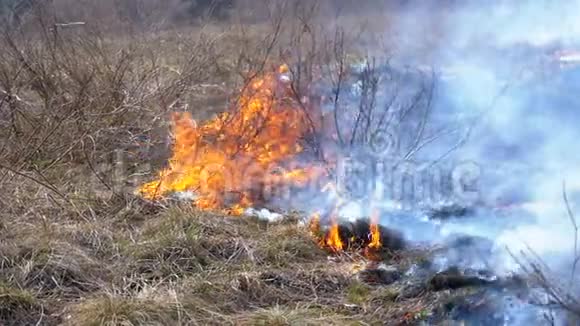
(453, 279)
(380, 274)
(356, 234)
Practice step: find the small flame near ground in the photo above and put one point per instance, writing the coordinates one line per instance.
(333, 239)
(375, 237)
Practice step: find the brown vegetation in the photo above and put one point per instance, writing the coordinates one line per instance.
(83, 111)
(188, 267)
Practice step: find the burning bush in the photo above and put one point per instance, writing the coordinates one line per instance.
(242, 152)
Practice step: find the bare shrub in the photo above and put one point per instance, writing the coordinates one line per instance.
(73, 97)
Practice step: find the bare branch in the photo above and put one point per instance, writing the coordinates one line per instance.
(575, 225)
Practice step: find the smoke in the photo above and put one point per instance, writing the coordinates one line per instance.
(501, 83)
(500, 68)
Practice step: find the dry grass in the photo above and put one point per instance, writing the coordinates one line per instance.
(187, 267)
(18, 306)
(83, 121)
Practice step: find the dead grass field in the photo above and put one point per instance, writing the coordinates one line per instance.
(180, 266)
(78, 248)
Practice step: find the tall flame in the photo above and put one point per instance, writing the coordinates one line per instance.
(333, 240)
(375, 236)
(240, 150)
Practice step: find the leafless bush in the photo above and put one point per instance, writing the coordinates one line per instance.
(352, 96)
(72, 97)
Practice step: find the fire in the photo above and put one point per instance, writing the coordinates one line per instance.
(224, 160)
(229, 161)
(333, 240)
(375, 235)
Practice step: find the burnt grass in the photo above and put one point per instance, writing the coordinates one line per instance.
(179, 266)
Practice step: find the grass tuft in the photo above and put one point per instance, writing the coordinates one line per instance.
(18, 306)
(284, 245)
(358, 293)
(112, 310)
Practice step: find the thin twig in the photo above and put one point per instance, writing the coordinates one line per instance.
(575, 225)
(44, 184)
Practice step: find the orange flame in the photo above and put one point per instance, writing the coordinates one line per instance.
(333, 240)
(375, 234)
(375, 237)
(238, 151)
(330, 239)
(372, 249)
